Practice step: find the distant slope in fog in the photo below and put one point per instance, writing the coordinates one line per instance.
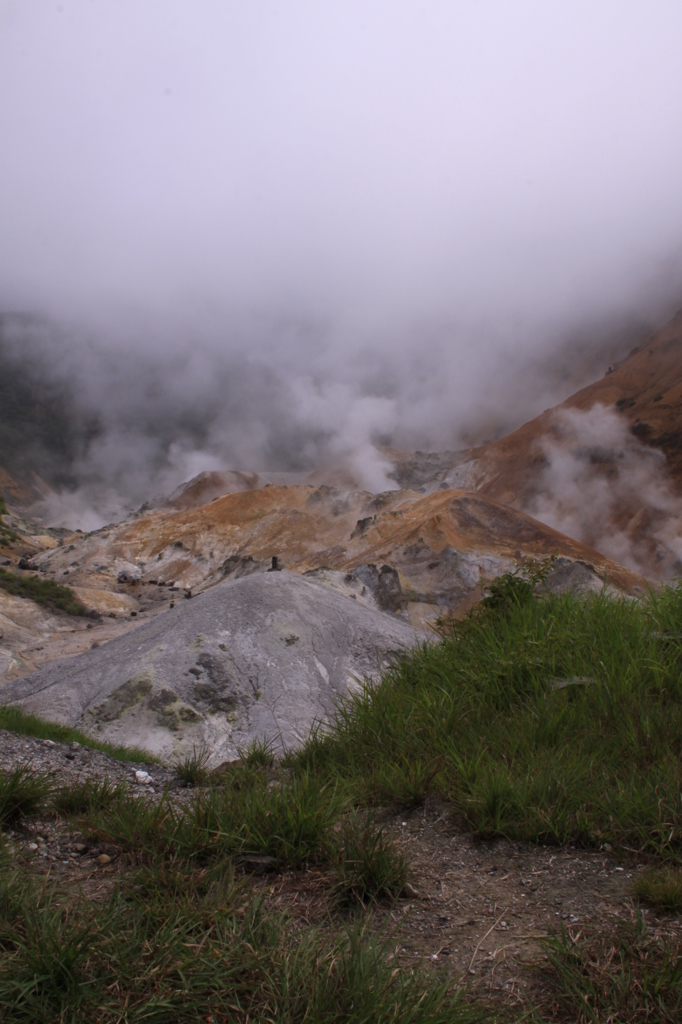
(604, 466)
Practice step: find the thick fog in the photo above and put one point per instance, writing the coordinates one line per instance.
(267, 235)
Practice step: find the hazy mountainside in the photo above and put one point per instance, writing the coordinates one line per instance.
(385, 565)
(42, 433)
(605, 466)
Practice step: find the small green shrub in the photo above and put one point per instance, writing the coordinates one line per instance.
(22, 792)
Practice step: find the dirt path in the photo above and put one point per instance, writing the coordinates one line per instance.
(483, 908)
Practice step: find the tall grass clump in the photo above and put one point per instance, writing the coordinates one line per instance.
(87, 797)
(545, 718)
(193, 768)
(661, 888)
(291, 822)
(370, 868)
(22, 793)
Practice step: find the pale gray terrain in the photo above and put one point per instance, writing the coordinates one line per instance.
(262, 657)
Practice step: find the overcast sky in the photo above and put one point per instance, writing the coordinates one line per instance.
(388, 178)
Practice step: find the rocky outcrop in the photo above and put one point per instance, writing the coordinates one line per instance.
(265, 657)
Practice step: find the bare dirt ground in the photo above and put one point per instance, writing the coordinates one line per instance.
(482, 909)
(478, 911)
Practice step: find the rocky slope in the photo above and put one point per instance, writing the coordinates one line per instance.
(263, 657)
(597, 481)
(412, 554)
(605, 466)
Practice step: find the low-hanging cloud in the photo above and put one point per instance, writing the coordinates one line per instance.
(279, 236)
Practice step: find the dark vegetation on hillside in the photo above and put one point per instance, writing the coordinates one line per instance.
(49, 415)
(44, 592)
(550, 719)
(40, 427)
(7, 535)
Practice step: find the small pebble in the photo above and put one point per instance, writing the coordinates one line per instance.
(103, 859)
(31, 846)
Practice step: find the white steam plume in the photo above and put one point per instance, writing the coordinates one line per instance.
(603, 487)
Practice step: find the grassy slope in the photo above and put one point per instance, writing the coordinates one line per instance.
(483, 719)
(478, 719)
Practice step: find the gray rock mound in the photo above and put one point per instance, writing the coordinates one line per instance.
(265, 656)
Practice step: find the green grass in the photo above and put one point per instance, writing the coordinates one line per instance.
(193, 768)
(22, 792)
(86, 797)
(259, 753)
(483, 720)
(547, 719)
(15, 720)
(181, 939)
(44, 592)
(625, 976)
(190, 949)
(661, 888)
(291, 822)
(369, 868)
